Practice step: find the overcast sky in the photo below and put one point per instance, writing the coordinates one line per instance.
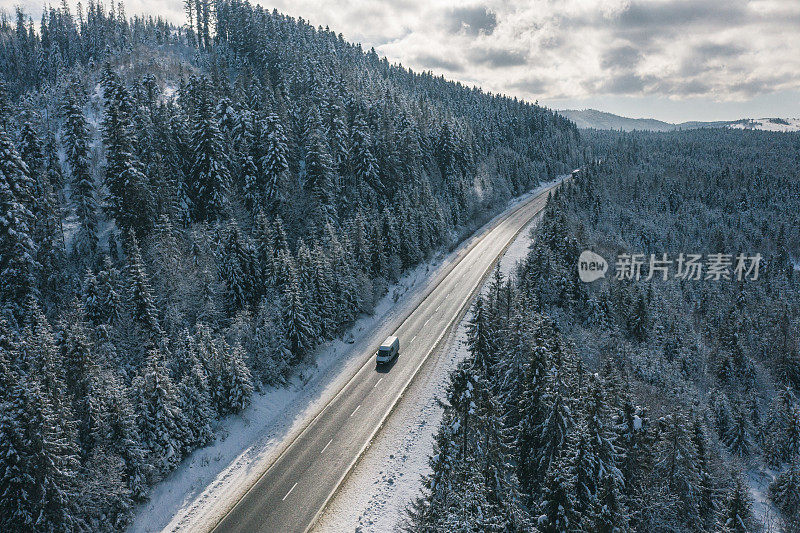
(674, 60)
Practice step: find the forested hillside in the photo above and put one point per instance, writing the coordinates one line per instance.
(636, 405)
(186, 212)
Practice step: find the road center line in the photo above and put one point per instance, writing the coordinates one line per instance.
(354, 412)
(412, 338)
(376, 383)
(426, 322)
(326, 446)
(290, 491)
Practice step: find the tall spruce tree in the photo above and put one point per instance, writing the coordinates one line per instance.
(130, 201)
(84, 193)
(318, 170)
(18, 266)
(209, 178)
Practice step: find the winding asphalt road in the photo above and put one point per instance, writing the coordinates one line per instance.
(294, 490)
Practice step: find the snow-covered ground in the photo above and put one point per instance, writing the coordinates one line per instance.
(768, 124)
(758, 479)
(212, 479)
(389, 475)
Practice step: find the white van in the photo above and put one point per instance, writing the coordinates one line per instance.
(388, 350)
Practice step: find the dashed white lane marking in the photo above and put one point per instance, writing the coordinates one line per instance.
(412, 338)
(426, 322)
(376, 383)
(354, 412)
(290, 491)
(326, 446)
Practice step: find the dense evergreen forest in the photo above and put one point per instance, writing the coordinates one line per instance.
(626, 405)
(186, 212)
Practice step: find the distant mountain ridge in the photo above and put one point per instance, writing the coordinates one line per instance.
(601, 120)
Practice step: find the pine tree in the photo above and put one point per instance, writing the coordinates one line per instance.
(194, 395)
(785, 492)
(557, 501)
(237, 270)
(601, 434)
(39, 466)
(53, 171)
(298, 329)
(738, 437)
(273, 163)
(525, 397)
(271, 351)
(363, 164)
(30, 149)
(130, 199)
(737, 513)
(612, 514)
(209, 178)
(707, 497)
(161, 422)
(782, 431)
(140, 293)
(479, 335)
(250, 177)
(16, 479)
(319, 170)
(81, 372)
(337, 134)
(676, 466)
(639, 321)
(123, 436)
(46, 228)
(556, 422)
(109, 286)
(239, 385)
(17, 250)
(84, 195)
(6, 108)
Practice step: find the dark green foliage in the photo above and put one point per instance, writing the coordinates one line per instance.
(18, 265)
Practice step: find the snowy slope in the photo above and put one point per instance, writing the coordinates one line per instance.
(768, 124)
(600, 120)
(388, 476)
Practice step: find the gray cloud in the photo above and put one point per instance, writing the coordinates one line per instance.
(531, 85)
(714, 50)
(627, 83)
(681, 88)
(679, 13)
(472, 20)
(621, 57)
(431, 61)
(498, 57)
(643, 23)
(760, 85)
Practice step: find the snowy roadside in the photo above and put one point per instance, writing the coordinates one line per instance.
(212, 479)
(389, 474)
